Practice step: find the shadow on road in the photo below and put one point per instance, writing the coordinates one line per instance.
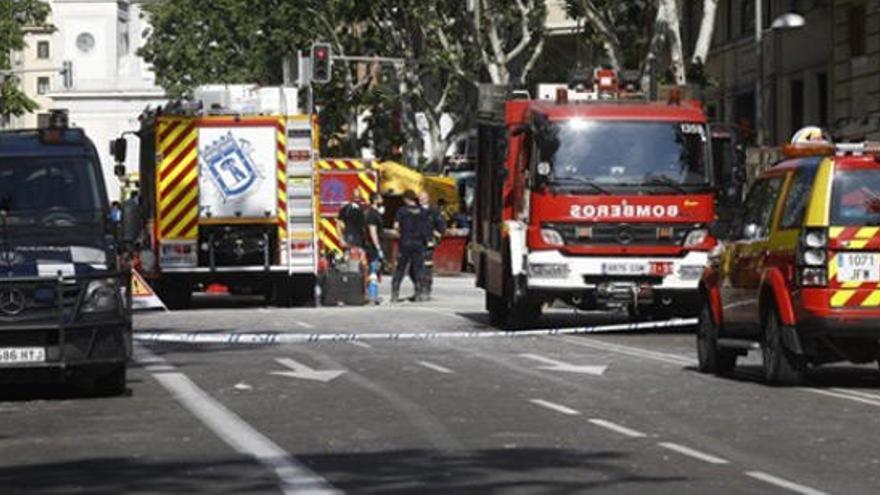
(131, 475)
(483, 471)
(839, 376)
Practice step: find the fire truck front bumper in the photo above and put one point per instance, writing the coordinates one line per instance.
(602, 281)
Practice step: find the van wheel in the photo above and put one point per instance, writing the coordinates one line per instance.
(711, 358)
(112, 383)
(781, 366)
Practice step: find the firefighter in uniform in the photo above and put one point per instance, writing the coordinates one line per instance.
(410, 225)
(435, 225)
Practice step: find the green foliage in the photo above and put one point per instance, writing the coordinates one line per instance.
(194, 42)
(628, 20)
(15, 15)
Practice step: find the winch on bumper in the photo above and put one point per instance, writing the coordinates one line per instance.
(643, 283)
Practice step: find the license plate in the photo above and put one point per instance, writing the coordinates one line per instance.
(10, 355)
(858, 267)
(624, 268)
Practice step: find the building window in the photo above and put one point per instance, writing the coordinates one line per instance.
(42, 85)
(822, 98)
(42, 120)
(43, 49)
(857, 19)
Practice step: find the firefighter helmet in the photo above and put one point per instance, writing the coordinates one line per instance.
(811, 135)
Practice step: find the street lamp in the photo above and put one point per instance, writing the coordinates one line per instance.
(784, 22)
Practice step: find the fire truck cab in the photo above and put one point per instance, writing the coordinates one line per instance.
(593, 197)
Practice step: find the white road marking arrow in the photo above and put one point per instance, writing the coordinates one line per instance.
(299, 370)
(554, 365)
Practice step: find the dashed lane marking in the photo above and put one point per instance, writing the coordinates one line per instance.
(623, 430)
(275, 338)
(294, 477)
(696, 454)
(435, 367)
(555, 407)
(361, 344)
(783, 483)
(305, 325)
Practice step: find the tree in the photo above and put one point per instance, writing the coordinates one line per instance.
(707, 26)
(15, 15)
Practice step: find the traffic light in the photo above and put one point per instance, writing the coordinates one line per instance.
(67, 74)
(322, 63)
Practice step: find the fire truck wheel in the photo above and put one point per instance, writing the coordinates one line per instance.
(282, 293)
(781, 366)
(498, 309)
(175, 295)
(711, 358)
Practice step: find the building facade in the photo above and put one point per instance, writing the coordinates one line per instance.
(111, 85)
(37, 76)
(825, 73)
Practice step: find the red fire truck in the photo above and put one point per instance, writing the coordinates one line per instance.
(592, 196)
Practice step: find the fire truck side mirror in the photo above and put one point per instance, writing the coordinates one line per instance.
(118, 148)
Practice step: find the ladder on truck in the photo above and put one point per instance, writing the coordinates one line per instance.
(302, 247)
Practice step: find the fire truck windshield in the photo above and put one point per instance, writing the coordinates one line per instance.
(50, 191)
(648, 155)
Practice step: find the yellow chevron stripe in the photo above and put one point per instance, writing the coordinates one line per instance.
(181, 127)
(323, 164)
(867, 232)
(187, 161)
(169, 155)
(857, 244)
(176, 232)
(834, 232)
(328, 225)
(329, 243)
(190, 195)
(873, 299)
(368, 180)
(840, 298)
(832, 268)
(187, 185)
(357, 164)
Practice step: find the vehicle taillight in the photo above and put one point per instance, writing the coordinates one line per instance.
(812, 258)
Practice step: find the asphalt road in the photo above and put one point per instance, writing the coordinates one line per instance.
(603, 413)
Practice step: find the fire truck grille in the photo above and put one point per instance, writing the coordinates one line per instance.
(634, 234)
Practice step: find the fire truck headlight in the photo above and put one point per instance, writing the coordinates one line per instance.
(696, 237)
(552, 237)
(690, 272)
(148, 260)
(548, 270)
(102, 295)
(814, 257)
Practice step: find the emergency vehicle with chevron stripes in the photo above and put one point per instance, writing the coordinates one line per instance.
(229, 190)
(798, 275)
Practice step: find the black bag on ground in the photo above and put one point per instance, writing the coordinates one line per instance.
(342, 288)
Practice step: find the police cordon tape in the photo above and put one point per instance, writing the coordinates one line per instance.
(275, 338)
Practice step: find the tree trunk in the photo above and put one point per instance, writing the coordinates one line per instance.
(707, 26)
(673, 29)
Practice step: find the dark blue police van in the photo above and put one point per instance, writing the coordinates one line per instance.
(65, 302)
